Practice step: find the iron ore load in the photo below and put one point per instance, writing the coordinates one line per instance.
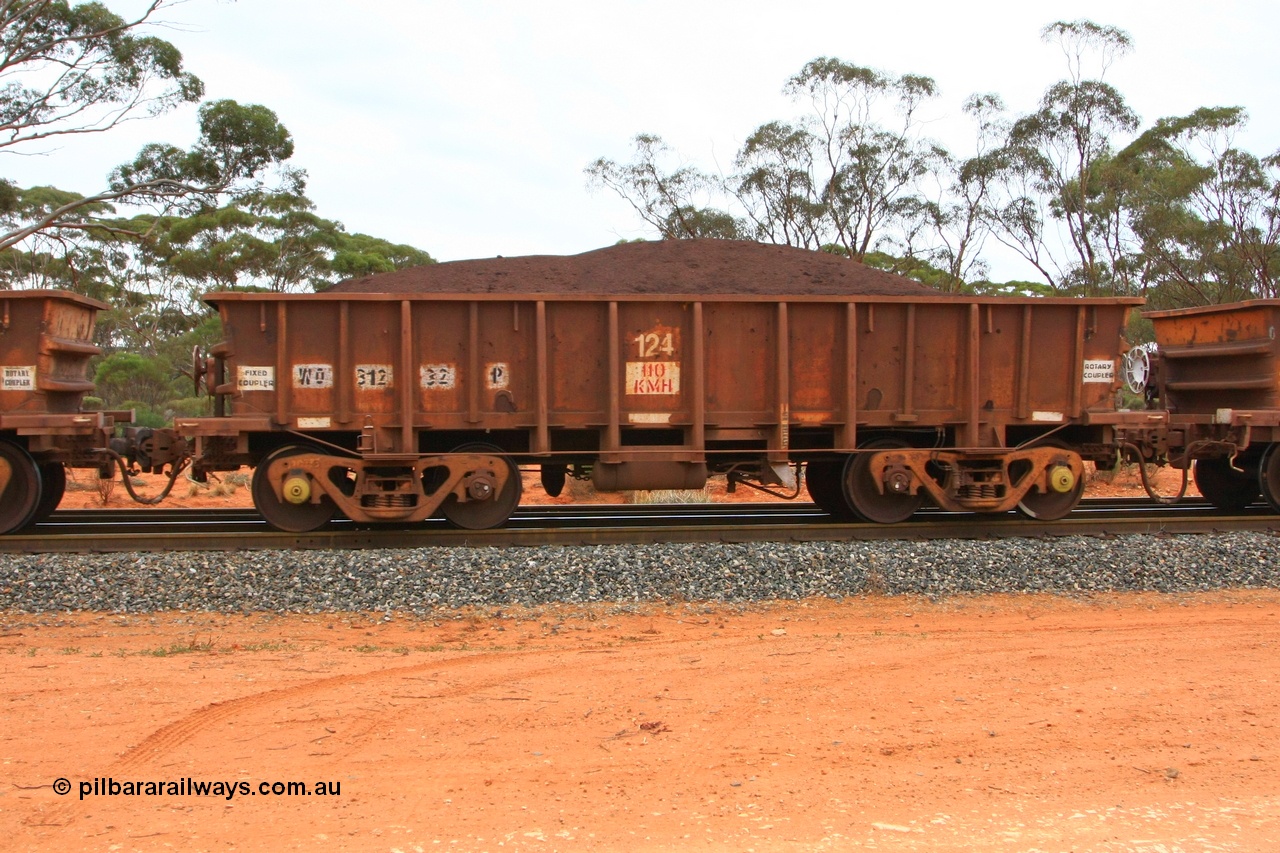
(655, 366)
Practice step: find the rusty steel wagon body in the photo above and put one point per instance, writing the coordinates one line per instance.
(1216, 376)
(395, 407)
(46, 341)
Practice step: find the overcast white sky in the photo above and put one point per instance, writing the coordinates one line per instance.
(464, 128)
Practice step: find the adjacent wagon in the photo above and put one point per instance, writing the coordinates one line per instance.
(1216, 373)
(46, 341)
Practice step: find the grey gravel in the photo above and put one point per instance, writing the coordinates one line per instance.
(424, 580)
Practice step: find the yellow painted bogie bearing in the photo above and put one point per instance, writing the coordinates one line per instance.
(1062, 480)
(297, 489)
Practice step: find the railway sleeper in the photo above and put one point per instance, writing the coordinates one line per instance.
(298, 482)
(1043, 482)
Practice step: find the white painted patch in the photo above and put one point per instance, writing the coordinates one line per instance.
(438, 377)
(314, 423)
(1048, 417)
(649, 417)
(653, 377)
(1099, 371)
(250, 378)
(18, 378)
(313, 376)
(497, 375)
(373, 377)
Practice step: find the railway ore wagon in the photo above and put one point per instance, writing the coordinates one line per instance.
(1217, 374)
(46, 341)
(390, 407)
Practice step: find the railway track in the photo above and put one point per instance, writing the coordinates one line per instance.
(244, 529)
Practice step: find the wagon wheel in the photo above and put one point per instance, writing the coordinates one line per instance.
(1052, 505)
(1269, 476)
(1223, 486)
(822, 479)
(301, 517)
(485, 512)
(868, 501)
(20, 496)
(53, 479)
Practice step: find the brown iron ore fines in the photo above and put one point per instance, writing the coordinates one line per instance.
(691, 267)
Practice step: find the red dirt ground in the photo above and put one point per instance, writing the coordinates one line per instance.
(1107, 723)
(1036, 722)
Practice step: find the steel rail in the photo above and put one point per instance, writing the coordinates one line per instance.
(88, 531)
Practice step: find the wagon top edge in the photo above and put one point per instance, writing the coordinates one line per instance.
(1212, 309)
(218, 297)
(61, 295)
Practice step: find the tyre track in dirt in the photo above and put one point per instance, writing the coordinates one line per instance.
(175, 734)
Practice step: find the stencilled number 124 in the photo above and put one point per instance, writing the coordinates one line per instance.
(650, 344)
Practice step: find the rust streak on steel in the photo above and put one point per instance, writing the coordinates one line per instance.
(849, 432)
(542, 432)
(974, 378)
(283, 382)
(1077, 364)
(342, 382)
(473, 362)
(699, 378)
(909, 367)
(1022, 408)
(782, 371)
(613, 434)
(407, 395)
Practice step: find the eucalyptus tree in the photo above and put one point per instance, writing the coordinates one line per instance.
(672, 199)
(845, 175)
(1048, 175)
(867, 151)
(1204, 214)
(69, 70)
(778, 186)
(955, 218)
(70, 259)
(356, 255)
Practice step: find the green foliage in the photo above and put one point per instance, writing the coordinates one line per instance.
(146, 415)
(356, 255)
(127, 376)
(83, 69)
(236, 143)
(1203, 214)
(191, 407)
(862, 152)
(169, 224)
